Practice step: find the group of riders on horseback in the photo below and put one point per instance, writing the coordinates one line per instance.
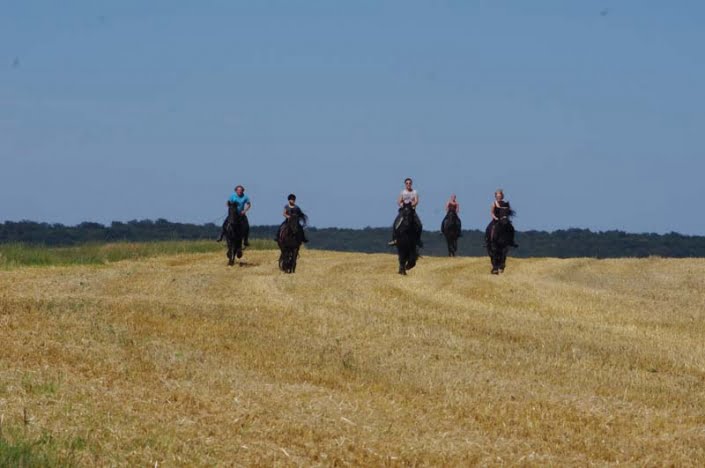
(290, 235)
(406, 230)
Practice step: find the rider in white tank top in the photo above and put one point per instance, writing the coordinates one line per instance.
(408, 197)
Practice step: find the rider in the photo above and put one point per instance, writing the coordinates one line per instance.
(498, 210)
(408, 196)
(289, 209)
(453, 205)
(243, 205)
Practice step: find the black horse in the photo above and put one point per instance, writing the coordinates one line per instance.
(450, 227)
(406, 234)
(234, 228)
(499, 238)
(290, 238)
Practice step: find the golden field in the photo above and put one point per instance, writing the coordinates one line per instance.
(179, 360)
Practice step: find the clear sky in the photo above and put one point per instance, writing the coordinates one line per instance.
(589, 114)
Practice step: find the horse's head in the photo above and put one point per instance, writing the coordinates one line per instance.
(233, 212)
(506, 212)
(504, 231)
(298, 217)
(406, 210)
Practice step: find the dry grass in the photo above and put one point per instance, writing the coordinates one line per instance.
(183, 361)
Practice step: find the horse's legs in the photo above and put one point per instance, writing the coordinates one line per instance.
(503, 260)
(411, 260)
(294, 256)
(493, 258)
(287, 261)
(229, 253)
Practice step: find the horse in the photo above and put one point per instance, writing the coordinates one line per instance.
(234, 233)
(290, 238)
(451, 230)
(407, 236)
(500, 237)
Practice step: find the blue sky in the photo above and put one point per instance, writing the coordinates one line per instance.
(588, 114)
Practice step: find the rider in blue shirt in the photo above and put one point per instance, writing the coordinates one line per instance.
(244, 205)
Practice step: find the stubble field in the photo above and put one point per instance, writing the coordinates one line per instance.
(179, 360)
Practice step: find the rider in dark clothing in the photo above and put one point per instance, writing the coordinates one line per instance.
(499, 209)
(289, 209)
(452, 205)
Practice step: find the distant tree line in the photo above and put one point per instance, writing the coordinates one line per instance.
(562, 243)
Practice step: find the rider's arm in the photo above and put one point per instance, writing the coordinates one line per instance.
(415, 201)
(457, 207)
(492, 212)
(286, 215)
(400, 200)
(248, 205)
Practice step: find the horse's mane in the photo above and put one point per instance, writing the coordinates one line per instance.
(510, 212)
(302, 216)
(232, 208)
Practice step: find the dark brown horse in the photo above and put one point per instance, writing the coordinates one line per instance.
(234, 233)
(499, 237)
(451, 230)
(290, 238)
(406, 234)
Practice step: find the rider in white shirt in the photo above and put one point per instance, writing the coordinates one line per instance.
(408, 196)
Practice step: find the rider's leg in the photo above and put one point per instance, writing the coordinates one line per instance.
(394, 229)
(488, 234)
(419, 229)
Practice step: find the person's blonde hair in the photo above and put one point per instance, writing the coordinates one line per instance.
(499, 190)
